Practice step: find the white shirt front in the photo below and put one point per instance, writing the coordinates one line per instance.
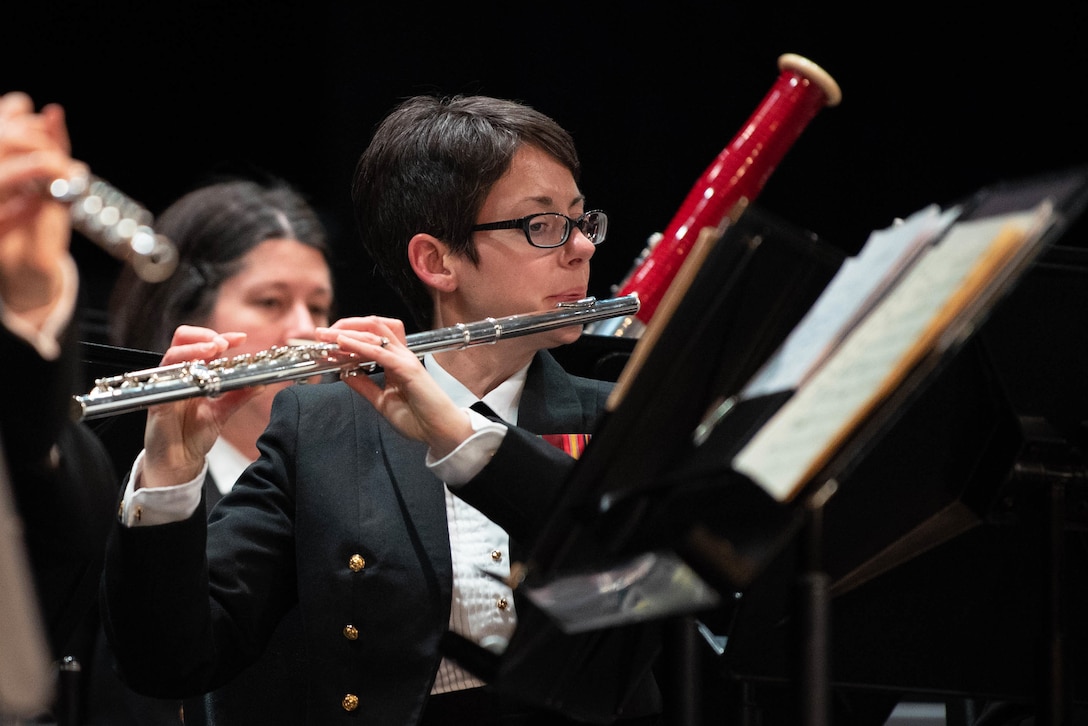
(483, 605)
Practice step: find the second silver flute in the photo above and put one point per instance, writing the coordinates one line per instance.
(138, 390)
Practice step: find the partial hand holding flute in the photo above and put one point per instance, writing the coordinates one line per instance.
(140, 389)
(35, 265)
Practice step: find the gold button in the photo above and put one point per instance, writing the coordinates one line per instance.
(502, 604)
(496, 555)
(139, 513)
(351, 632)
(356, 563)
(350, 702)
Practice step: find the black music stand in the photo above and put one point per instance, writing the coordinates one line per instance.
(755, 282)
(953, 573)
(647, 511)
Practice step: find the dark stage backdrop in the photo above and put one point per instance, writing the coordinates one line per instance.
(936, 102)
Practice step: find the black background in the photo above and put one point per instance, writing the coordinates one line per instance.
(937, 102)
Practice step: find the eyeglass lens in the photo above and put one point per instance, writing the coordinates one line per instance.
(552, 230)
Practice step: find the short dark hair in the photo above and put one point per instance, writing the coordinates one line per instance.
(429, 168)
(213, 227)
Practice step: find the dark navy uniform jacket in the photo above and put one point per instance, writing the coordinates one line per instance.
(340, 517)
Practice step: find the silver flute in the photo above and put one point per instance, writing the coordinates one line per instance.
(140, 389)
(117, 224)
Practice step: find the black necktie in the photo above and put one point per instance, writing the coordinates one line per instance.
(482, 408)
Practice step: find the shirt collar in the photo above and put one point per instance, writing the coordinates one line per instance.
(226, 464)
(503, 399)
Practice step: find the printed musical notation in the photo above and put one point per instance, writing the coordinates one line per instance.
(861, 281)
(930, 306)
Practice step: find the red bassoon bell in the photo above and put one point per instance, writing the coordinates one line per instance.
(737, 175)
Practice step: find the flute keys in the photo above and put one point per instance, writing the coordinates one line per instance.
(118, 224)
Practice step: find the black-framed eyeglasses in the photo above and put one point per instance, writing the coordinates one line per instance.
(552, 229)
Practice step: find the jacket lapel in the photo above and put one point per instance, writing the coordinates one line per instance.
(550, 404)
(422, 494)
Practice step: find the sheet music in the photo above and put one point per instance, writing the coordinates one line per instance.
(860, 281)
(874, 358)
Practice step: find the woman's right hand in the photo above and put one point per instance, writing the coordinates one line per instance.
(179, 434)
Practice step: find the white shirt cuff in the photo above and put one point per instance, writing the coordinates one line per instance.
(145, 506)
(466, 461)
